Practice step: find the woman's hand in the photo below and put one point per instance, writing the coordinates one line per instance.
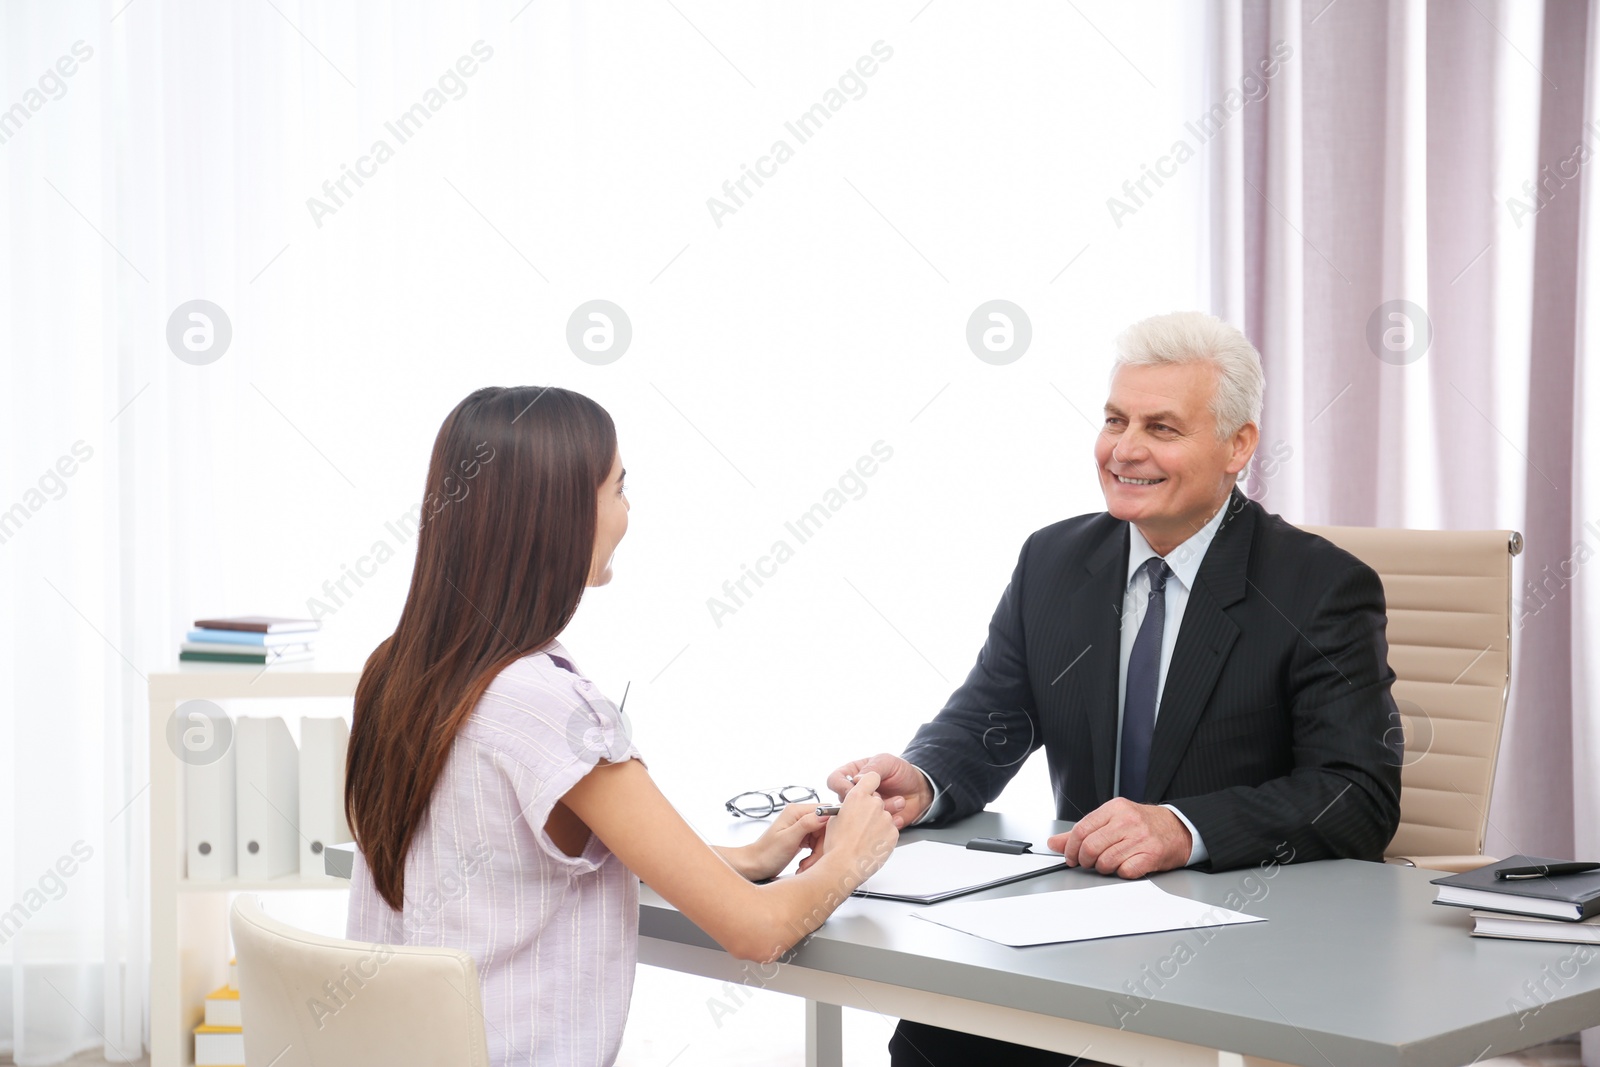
(797, 826)
(864, 827)
(623, 807)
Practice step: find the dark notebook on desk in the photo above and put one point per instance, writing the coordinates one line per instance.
(927, 872)
(1558, 896)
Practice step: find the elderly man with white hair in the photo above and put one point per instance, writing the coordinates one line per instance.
(1210, 684)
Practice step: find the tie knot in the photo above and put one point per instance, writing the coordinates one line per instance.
(1158, 571)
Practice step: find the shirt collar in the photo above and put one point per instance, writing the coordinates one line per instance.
(559, 656)
(1184, 560)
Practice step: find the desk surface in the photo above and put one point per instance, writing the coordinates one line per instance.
(1355, 964)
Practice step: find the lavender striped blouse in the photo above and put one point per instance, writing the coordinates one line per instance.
(555, 936)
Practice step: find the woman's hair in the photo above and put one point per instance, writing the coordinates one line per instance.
(504, 551)
(1195, 337)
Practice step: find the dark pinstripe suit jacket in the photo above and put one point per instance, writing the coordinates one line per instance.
(1276, 730)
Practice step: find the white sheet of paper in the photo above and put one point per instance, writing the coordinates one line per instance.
(1081, 914)
(930, 868)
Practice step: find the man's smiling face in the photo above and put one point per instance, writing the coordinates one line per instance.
(1162, 465)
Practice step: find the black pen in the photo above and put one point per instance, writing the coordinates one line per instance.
(1542, 870)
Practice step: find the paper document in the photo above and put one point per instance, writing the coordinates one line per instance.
(1081, 915)
(927, 871)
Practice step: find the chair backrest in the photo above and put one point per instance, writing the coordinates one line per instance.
(1448, 594)
(310, 1000)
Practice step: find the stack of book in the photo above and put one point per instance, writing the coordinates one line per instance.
(1542, 900)
(258, 639)
(219, 1041)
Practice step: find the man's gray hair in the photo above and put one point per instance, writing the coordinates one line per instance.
(1195, 337)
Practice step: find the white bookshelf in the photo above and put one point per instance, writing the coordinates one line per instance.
(189, 920)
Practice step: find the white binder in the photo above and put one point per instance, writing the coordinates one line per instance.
(269, 799)
(323, 743)
(208, 817)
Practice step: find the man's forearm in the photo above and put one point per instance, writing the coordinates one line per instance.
(1311, 815)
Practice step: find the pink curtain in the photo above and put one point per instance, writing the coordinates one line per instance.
(1405, 222)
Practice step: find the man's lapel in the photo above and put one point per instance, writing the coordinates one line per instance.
(1095, 611)
(1205, 637)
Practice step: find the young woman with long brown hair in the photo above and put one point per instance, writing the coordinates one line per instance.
(497, 800)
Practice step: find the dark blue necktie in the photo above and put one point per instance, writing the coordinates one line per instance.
(1144, 672)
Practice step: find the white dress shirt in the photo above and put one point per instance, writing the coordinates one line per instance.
(1184, 562)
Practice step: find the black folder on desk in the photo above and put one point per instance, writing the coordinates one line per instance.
(1558, 896)
(926, 872)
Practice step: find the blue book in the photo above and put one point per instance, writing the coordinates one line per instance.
(247, 638)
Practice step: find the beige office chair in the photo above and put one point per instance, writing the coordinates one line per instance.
(312, 1001)
(1449, 600)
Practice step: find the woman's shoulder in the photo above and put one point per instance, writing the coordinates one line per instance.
(537, 696)
(538, 684)
(550, 666)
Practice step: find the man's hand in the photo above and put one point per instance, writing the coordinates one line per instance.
(1126, 839)
(906, 793)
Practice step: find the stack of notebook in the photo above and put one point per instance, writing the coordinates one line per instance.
(1562, 905)
(258, 639)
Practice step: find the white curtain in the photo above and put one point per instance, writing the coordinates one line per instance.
(1434, 161)
(143, 167)
(75, 638)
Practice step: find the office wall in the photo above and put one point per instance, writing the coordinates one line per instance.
(778, 336)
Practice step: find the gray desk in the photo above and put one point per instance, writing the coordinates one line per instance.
(1355, 967)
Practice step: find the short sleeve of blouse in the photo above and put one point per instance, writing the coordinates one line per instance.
(547, 728)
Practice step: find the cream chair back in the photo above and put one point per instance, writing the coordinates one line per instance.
(1449, 602)
(312, 1001)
